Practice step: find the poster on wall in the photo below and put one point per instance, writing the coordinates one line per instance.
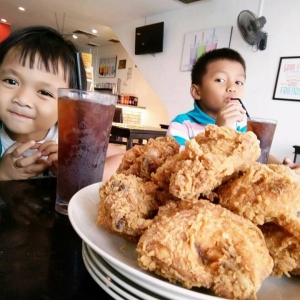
(287, 86)
(199, 42)
(107, 66)
(87, 59)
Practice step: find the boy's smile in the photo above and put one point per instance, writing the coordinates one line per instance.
(223, 80)
(28, 97)
(14, 114)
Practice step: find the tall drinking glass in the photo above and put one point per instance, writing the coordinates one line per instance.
(84, 124)
(264, 130)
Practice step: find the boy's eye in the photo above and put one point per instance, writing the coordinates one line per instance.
(11, 81)
(239, 83)
(45, 93)
(220, 80)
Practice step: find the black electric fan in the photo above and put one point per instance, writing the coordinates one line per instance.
(250, 28)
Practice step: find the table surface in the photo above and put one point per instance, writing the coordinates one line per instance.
(40, 253)
(131, 132)
(135, 128)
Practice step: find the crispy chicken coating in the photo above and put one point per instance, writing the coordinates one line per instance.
(207, 161)
(263, 194)
(201, 244)
(127, 205)
(143, 160)
(284, 249)
(128, 165)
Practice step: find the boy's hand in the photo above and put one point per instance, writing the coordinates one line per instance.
(293, 166)
(232, 112)
(14, 166)
(50, 149)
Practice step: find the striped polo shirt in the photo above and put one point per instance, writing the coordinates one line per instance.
(186, 126)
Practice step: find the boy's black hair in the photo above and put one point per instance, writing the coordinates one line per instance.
(200, 67)
(50, 45)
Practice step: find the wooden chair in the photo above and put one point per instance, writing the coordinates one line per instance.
(297, 151)
(118, 117)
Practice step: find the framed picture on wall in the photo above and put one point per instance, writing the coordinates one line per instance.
(122, 64)
(107, 66)
(287, 85)
(199, 42)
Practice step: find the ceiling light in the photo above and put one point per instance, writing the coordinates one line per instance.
(21, 8)
(3, 20)
(94, 31)
(74, 36)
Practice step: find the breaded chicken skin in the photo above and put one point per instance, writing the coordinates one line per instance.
(127, 205)
(284, 249)
(207, 161)
(263, 194)
(201, 244)
(143, 160)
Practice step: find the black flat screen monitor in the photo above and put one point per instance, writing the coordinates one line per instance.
(149, 39)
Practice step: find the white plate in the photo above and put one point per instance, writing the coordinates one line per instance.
(83, 210)
(107, 289)
(128, 285)
(106, 279)
(201, 294)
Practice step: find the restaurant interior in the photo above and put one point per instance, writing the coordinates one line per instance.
(45, 255)
(157, 80)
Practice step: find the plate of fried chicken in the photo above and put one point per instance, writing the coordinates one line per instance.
(208, 222)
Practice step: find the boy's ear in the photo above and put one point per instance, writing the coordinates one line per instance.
(195, 92)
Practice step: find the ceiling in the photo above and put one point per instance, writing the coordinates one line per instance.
(70, 15)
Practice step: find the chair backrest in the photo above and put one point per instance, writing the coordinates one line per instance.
(118, 116)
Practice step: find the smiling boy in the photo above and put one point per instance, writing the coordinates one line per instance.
(34, 63)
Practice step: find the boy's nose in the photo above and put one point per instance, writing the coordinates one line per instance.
(22, 98)
(231, 88)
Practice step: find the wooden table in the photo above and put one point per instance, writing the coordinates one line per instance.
(40, 252)
(136, 132)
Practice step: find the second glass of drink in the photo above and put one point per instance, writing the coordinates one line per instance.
(264, 130)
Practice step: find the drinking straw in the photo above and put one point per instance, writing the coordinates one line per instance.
(78, 70)
(213, 36)
(242, 105)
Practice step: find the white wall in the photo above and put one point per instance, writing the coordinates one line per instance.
(156, 112)
(163, 74)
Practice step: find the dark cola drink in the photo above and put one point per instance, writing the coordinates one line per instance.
(264, 130)
(84, 124)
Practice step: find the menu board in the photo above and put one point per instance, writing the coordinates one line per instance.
(287, 85)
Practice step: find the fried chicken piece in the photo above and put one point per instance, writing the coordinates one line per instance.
(207, 161)
(143, 160)
(284, 249)
(128, 164)
(201, 244)
(263, 194)
(127, 205)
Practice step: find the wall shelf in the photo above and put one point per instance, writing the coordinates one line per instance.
(130, 106)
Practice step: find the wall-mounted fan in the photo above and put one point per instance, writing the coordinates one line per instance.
(250, 28)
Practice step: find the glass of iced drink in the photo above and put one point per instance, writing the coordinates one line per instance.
(84, 124)
(264, 130)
